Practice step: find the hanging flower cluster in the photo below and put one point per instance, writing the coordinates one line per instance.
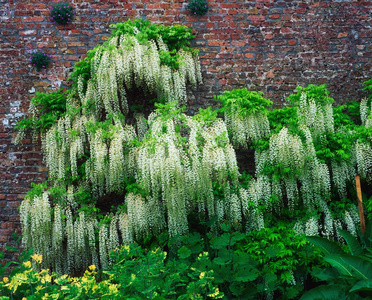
(297, 177)
(315, 114)
(108, 164)
(180, 171)
(128, 64)
(245, 116)
(364, 112)
(68, 244)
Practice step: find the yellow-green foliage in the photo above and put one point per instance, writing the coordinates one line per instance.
(137, 274)
(30, 284)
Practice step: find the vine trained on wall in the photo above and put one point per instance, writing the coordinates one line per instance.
(121, 172)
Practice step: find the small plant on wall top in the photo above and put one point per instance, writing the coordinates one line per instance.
(62, 13)
(39, 59)
(198, 7)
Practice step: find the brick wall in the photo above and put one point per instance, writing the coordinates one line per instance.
(266, 45)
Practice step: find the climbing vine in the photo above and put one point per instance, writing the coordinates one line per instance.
(127, 162)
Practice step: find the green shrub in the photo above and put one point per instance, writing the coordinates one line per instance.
(62, 13)
(198, 7)
(39, 59)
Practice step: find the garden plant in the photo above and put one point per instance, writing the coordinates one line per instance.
(61, 13)
(145, 201)
(39, 59)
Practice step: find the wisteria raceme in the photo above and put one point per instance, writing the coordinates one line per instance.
(250, 200)
(57, 238)
(25, 218)
(70, 237)
(91, 225)
(328, 229)
(77, 142)
(299, 227)
(141, 126)
(118, 160)
(247, 129)
(287, 150)
(315, 178)
(342, 172)
(103, 246)
(364, 111)
(313, 114)
(113, 234)
(363, 152)
(126, 228)
(338, 225)
(312, 227)
(350, 224)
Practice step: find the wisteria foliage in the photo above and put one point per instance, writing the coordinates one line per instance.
(177, 165)
(181, 165)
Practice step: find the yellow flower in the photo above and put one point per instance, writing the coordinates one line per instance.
(37, 258)
(46, 296)
(47, 278)
(6, 279)
(92, 267)
(27, 264)
(216, 294)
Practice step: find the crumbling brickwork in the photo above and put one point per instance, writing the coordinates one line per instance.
(265, 45)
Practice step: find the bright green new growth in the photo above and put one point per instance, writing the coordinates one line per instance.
(245, 115)
(44, 111)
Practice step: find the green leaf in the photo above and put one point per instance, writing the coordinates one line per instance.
(362, 286)
(352, 242)
(246, 275)
(11, 249)
(352, 266)
(220, 242)
(325, 274)
(326, 246)
(221, 261)
(237, 236)
(184, 252)
(368, 234)
(326, 292)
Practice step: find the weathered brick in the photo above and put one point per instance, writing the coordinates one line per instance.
(28, 32)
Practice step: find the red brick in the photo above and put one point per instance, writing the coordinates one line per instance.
(342, 35)
(27, 32)
(274, 16)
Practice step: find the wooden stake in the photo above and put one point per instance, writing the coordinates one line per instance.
(360, 204)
